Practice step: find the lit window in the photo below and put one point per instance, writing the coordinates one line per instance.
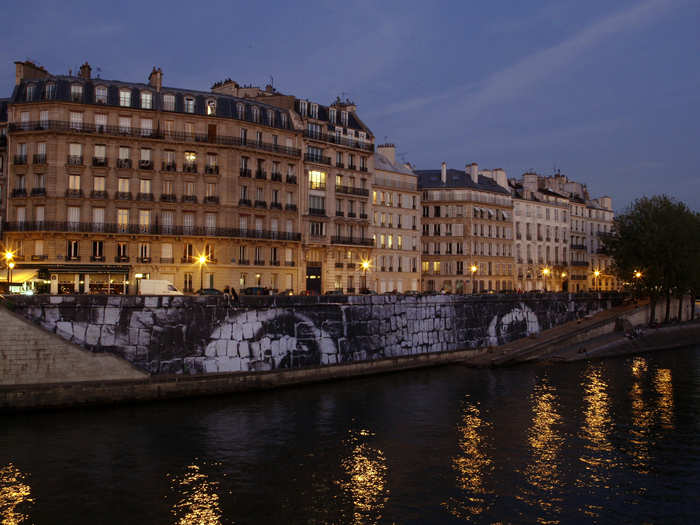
(76, 92)
(101, 94)
(317, 180)
(146, 100)
(125, 98)
(169, 102)
(211, 107)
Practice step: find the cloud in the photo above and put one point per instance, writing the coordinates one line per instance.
(511, 82)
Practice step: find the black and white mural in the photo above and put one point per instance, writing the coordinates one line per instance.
(194, 335)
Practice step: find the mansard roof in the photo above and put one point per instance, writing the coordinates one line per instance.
(431, 179)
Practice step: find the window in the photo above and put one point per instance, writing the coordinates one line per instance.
(73, 250)
(122, 250)
(122, 219)
(125, 98)
(189, 188)
(76, 120)
(144, 219)
(146, 100)
(98, 184)
(283, 120)
(144, 251)
(76, 92)
(169, 102)
(44, 119)
(332, 115)
(270, 117)
(189, 105)
(74, 182)
(97, 250)
(317, 180)
(146, 127)
(211, 189)
(302, 107)
(50, 91)
(101, 94)
(344, 118)
(123, 185)
(211, 107)
(314, 111)
(255, 113)
(318, 229)
(100, 122)
(100, 152)
(145, 186)
(125, 125)
(240, 111)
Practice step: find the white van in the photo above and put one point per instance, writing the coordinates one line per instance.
(157, 287)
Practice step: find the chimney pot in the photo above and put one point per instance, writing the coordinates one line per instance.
(443, 173)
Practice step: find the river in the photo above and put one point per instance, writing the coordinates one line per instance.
(605, 441)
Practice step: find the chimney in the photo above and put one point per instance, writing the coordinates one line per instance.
(474, 172)
(530, 181)
(85, 71)
(443, 173)
(499, 175)
(155, 79)
(29, 71)
(389, 151)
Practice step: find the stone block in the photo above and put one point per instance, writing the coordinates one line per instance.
(210, 350)
(144, 337)
(257, 327)
(141, 319)
(265, 344)
(107, 336)
(150, 302)
(225, 330)
(251, 316)
(210, 366)
(216, 333)
(114, 300)
(64, 329)
(92, 335)
(231, 348)
(236, 332)
(229, 364)
(244, 349)
(248, 331)
(79, 332)
(111, 315)
(55, 299)
(221, 347)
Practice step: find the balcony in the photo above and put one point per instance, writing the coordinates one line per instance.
(38, 192)
(351, 190)
(97, 258)
(211, 169)
(169, 166)
(274, 263)
(318, 159)
(244, 202)
(260, 175)
(143, 260)
(42, 257)
(19, 192)
(74, 160)
(318, 212)
(340, 165)
(314, 185)
(261, 204)
(187, 259)
(275, 206)
(39, 158)
(72, 257)
(276, 177)
(289, 263)
(291, 179)
(352, 167)
(578, 246)
(244, 262)
(290, 207)
(121, 259)
(167, 260)
(20, 159)
(351, 266)
(339, 265)
(363, 168)
(352, 215)
(144, 196)
(168, 197)
(171, 136)
(337, 239)
(123, 196)
(211, 199)
(72, 193)
(245, 173)
(333, 139)
(123, 163)
(364, 216)
(579, 263)
(189, 198)
(259, 263)
(99, 162)
(189, 167)
(145, 165)
(339, 213)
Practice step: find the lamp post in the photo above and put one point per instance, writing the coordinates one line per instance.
(202, 259)
(10, 264)
(473, 270)
(545, 273)
(9, 274)
(563, 276)
(596, 282)
(365, 266)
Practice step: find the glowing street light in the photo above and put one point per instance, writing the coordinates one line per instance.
(637, 274)
(202, 260)
(545, 273)
(9, 274)
(473, 270)
(10, 264)
(596, 283)
(364, 266)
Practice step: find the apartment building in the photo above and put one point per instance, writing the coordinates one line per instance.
(395, 225)
(3, 160)
(550, 207)
(115, 181)
(541, 218)
(467, 230)
(335, 191)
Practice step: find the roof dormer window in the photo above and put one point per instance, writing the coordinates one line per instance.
(50, 91)
(146, 100)
(314, 111)
(270, 117)
(240, 111)
(125, 98)
(344, 118)
(101, 94)
(76, 92)
(29, 93)
(283, 120)
(169, 102)
(332, 115)
(189, 104)
(211, 107)
(302, 107)
(255, 112)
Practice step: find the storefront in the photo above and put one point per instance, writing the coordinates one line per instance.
(71, 279)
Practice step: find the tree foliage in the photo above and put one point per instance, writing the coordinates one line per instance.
(659, 237)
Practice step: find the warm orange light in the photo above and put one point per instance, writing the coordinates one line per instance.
(9, 255)
(563, 274)
(597, 273)
(202, 259)
(637, 274)
(545, 272)
(12, 265)
(473, 268)
(365, 264)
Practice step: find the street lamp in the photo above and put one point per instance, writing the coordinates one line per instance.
(364, 265)
(596, 282)
(202, 260)
(545, 273)
(473, 270)
(8, 261)
(637, 274)
(563, 276)
(9, 274)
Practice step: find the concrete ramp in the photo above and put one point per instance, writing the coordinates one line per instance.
(31, 355)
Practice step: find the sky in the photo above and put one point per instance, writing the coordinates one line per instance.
(606, 92)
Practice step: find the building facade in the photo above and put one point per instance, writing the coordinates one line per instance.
(395, 225)
(116, 181)
(467, 230)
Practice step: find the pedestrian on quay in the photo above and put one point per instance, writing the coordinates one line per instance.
(235, 295)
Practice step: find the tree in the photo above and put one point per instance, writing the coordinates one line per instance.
(659, 237)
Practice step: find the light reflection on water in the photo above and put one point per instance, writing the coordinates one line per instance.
(15, 496)
(198, 498)
(365, 479)
(663, 385)
(543, 472)
(642, 419)
(473, 465)
(597, 454)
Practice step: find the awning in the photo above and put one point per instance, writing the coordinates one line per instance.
(18, 276)
(73, 268)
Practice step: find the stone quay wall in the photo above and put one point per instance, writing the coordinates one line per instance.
(195, 335)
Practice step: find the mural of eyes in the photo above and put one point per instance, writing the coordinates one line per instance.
(521, 321)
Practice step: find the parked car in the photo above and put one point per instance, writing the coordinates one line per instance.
(209, 291)
(288, 291)
(255, 290)
(157, 287)
(411, 292)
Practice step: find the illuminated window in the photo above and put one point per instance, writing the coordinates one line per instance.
(101, 94)
(76, 92)
(146, 100)
(317, 180)
(169, 102)
(125, 98)
(211, 107)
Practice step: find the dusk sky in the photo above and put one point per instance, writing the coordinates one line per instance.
(606, 92)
